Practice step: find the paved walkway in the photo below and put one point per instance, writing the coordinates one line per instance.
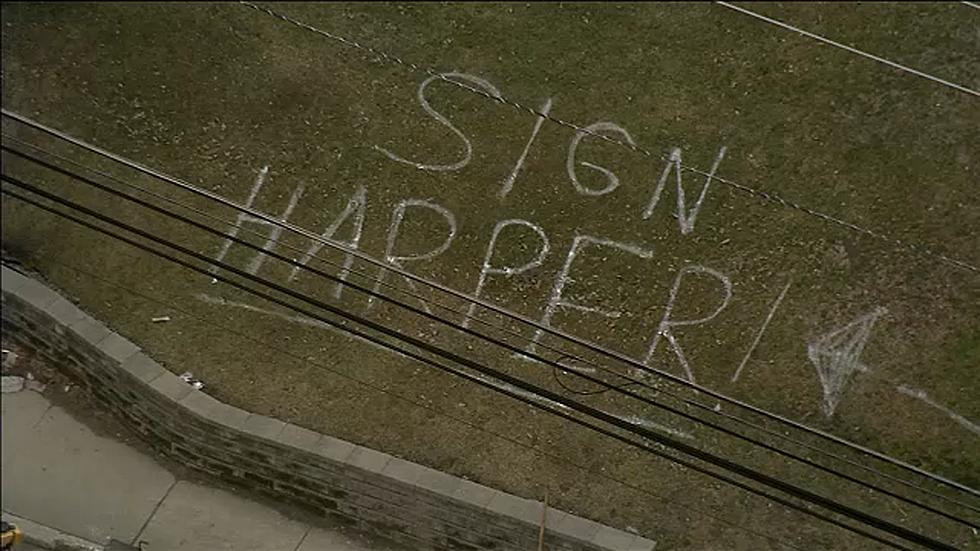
(59, 474)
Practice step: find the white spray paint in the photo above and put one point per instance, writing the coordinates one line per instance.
(612, 181)
(557, 300)
(520, 391)
(631, 419)
(356, 207)
(274, 234)
(472, 80)
(836, 356)
(509, 181)
(762, 329)
(576, 368)
(921, 395)
(646, 423)
(685, 219)
(252, 194)
(397, 216)
(665, 328)
(508, 271)
(304, 320)
(294, 318)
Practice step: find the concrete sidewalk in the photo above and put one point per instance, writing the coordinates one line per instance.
(58, 474)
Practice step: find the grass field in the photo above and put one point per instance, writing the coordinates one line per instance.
(212, 93)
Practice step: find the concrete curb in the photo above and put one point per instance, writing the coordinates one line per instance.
(359, 462)
(50, 538)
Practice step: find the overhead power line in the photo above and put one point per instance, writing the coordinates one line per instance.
(516, 383)
(285, 352)
(621, 388)
(808, 34)
(556, 365)
(490, 306)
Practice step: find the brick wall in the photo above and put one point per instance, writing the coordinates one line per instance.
(401, 500)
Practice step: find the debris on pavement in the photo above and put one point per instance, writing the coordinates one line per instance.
(12, 383)
(188, 378)
(31, 383)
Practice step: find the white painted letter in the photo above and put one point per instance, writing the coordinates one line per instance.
(557, 300)
(762, 329)
(509, 182)
(685, 219)
(921, 395)
(472, 80)
(397, 215)
(666, 324)
(508, 271)
(355, 206)
(836, 356)
(273, 237)
(612, 179)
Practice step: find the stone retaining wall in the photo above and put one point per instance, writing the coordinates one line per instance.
(403, 501)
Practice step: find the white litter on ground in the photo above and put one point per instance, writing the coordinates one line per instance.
(188, 378)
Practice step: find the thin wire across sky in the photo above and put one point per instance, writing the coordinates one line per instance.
(556, 365)
(469, 299)
(515, 387)
(550, 396)
(795, 497)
